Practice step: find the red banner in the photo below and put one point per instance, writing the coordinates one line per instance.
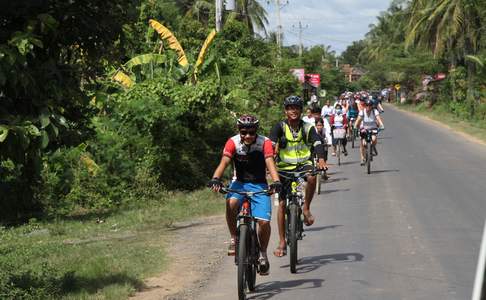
(313, 79)
(439, 76)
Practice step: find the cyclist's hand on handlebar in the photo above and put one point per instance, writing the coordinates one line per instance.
(382, 128)
(275, 187)
(215, 184)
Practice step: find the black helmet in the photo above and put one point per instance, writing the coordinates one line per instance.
(247, 121)
(294, 100)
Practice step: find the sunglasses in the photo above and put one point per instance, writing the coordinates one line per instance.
(247, 132)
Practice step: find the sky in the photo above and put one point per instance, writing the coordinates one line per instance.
(330, 22)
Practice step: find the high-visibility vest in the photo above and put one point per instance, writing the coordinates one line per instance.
(297, 151)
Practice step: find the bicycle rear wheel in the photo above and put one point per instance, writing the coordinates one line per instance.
(292, 238)
(242, 259)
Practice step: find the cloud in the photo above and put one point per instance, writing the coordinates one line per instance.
(332, 22)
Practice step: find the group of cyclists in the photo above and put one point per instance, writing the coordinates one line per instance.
(294, 144)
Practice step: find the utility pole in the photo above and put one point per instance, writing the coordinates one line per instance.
(301, 45)
(279, 30)
(220, 6)
(219, 14)
(279, 5)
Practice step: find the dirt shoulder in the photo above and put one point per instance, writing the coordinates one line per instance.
(195, 250)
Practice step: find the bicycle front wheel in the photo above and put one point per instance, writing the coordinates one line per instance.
(292, 238)
(242, 259)
(368, 157)
(251, 269)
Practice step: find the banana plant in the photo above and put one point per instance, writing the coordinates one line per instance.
(145, 63)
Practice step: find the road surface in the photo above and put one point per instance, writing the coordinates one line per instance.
(409, 230)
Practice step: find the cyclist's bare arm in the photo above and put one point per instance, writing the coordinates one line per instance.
(358, 122)
(223, 164)
(379, 121)
(270, 162)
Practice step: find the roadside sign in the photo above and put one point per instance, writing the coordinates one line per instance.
(439, 76)
(314, 79)
(322, 93)
(397, 86)
(299, 74)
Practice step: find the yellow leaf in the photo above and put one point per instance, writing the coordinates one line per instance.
(202, 53)
(90, 164)
(166, 34)
(123, 79)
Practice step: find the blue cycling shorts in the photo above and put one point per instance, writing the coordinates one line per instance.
(261, 205)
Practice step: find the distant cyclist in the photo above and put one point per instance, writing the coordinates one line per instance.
(370, 118)
(338, 121)
(327, 110)
(324, 130)
(252, 155)
(353, 111)
(376, 102)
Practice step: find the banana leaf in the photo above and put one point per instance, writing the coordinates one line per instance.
(145, 59)
(204, 48)
(173, 43)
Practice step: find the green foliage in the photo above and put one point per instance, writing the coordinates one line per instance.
(416, 38)
(49, 52)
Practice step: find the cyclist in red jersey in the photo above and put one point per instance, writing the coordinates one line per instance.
(252, 155)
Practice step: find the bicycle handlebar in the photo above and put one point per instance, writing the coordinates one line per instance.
(225, 190)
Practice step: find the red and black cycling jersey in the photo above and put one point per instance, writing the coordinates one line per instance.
(249, 160)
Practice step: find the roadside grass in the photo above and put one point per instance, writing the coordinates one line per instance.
(439, 113)
(99, 256)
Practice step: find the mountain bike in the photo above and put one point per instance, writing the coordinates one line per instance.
(294, 221)
(339, 134)
(370, 150)
(247, 245)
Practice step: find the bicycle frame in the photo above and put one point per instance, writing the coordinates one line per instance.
(369, 135)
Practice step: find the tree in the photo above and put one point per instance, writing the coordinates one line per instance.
(50, 53)
(448, 27)
(252, 14)
(351, 54)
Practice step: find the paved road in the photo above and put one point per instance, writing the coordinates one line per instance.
(410, 230)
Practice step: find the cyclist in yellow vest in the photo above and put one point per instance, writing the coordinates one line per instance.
(294, 140)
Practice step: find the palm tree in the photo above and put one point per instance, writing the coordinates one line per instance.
(252, 14)
(447, 27)
(201, 9)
